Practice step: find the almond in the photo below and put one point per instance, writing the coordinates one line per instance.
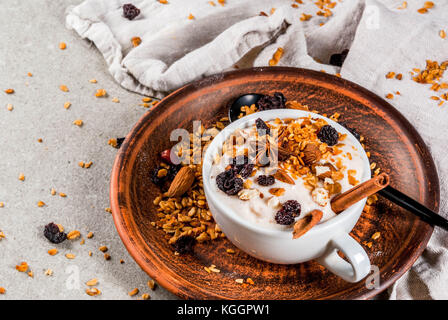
(182, 182)
(311, 154)
(303, 225)
(282, 176)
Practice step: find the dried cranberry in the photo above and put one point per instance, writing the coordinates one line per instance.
(329, 135)
(184, 244)
(262, 127)
(338, 59)
(229, 183)
(264, 180)
(267, 102)
(165, 155)
(130, 11)
(289, 210)
(53, 234)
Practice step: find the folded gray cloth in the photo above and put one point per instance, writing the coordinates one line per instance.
(186, 40)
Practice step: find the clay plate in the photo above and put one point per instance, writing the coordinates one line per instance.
(394, 145)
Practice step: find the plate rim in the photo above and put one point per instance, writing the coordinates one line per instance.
(116, 178)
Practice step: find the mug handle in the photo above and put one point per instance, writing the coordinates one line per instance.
(359, 264)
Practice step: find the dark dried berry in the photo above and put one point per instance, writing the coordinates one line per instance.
(284, 217)
(292, 206)
(262, 127)
(352, 130)
(53, 234)
(184, 244)
(338, 59)
(267, 102)
(241, 166)
(119, 142)
(289, 210)
(329, 135)
(154, 176)
(229, 183)
(130, 11)
(264, 180)
(172, 171)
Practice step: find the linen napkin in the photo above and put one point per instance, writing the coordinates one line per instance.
(182, 41)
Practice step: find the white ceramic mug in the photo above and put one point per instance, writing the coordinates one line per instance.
(277, 246)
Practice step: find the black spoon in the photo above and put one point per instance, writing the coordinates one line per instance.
(244, 100)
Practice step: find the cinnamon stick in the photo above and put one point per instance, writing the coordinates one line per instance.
(361, 191)
(305, 224)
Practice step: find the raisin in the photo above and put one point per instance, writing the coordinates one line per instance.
(53, 234)
(172, 171)
(284, 217)
(119, 142)
(184, 244)
(229, 183)
(154, 178)
(267, 102)
(352, 130)
(241, 166)
(292, 206)
(338, 59)
(262, 127)
(329, 135)
(289, 210)
(130, 11)
(264, 180)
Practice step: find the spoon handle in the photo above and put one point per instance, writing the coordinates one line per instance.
(413, 206)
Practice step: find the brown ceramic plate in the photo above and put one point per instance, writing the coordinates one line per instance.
(394, 145)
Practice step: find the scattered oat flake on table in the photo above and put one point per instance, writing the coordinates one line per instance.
(90, 235)
(29, 74)
(92, 282)
(40, 204)
(78, 122)
(53, 252)
(100, 93)
(107, 256)
(305, 17)
(222, 2)
(2, 204)
(133, 292)
(151, 284)
(23, 267)
(63, 88)
(73, 235)
(163, 1)
(276, 57)
(31, 274)
(191, 17)
(62, 45)
(62, 194)
(116, 100)
(22, 177)
(390, 75)
(404, 5)
(9, 91)
(442, 34)
(212, 3)
(49, 272)
(67, 105)
(389, 96)
(10, 107)
(2, 235)
(2, 290)
(103, 248)
(136, 41)
(93, 81)
(112, 142)
(146, 296)
(70, 256)
(93, 292)
(108, 210)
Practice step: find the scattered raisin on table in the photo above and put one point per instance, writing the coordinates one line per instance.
(184, 244)
(289, 210)
(338, 59)
(329, 135)
(241, 166)
(262, 127)
(229, 183)
(264, 180)
(53, 234)
(267, 102)
(130, 11)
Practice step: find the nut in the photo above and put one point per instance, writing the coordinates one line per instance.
(311, 154)
(182, 182)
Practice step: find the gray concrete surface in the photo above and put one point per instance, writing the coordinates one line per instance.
(30, 33)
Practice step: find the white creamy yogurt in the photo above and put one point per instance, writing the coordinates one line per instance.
(261, 210)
